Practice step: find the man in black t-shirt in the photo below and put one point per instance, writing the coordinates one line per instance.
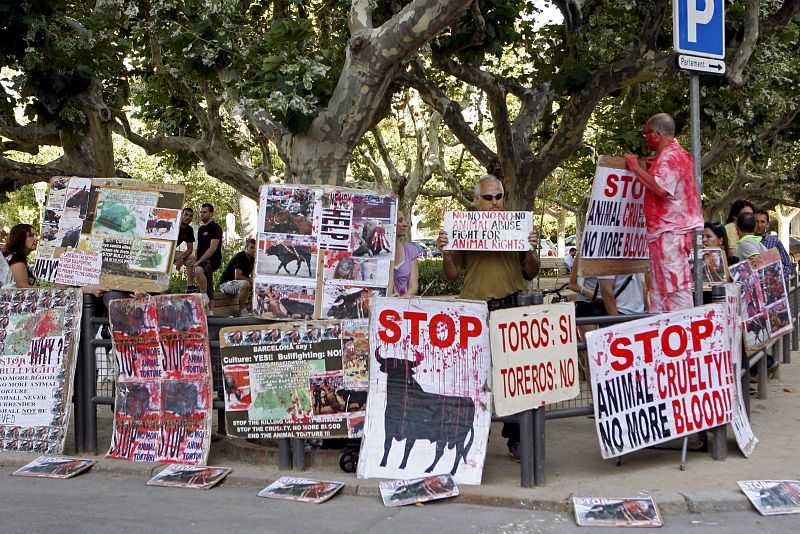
(186, 235)
(237, 278)
(209, 250)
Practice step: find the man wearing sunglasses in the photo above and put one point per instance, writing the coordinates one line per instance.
(496, 277)
(672, 212)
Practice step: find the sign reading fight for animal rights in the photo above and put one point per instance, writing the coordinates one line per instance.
(534, 357)
(615, 223)
(39, 330)
(654, 380)
(322, 252)
(429, 409)
(295, 380)
(488, 230)
(132, 225)
(163, 405)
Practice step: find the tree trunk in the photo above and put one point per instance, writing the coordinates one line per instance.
(562, 225)
(785, 215)
(313, 160)
(248, 216)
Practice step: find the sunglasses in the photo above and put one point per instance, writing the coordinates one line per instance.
(489, 196)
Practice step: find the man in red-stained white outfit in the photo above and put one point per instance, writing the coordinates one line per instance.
(672, 212)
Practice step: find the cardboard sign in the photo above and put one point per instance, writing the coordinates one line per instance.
(429, 408)
(740, 422)
(404, 492)
(602, 512)
(295, 380)
(189, 476)
(79, 268)
(301, 489)
(773, 497)
(534, 357)
(162, 357)
(54, 467)
(132, 224)
(39, 331)
(322, 252)
(654, 380)
(488, 230)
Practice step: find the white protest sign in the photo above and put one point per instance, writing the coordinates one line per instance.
(488, 230)
(79, 268)
(615, 223)
(740, 423)
(657, 379)
(534, 357)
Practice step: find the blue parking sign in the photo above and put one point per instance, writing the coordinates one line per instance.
(699, 27)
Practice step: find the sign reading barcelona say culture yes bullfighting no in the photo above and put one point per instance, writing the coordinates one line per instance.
(429, 409)
(488, 230)
(534, 357)
(654, 380)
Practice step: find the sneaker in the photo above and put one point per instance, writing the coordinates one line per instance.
(245, 313)
(513, 452)
(191, 289)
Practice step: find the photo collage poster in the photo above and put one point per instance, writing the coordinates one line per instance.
(305, 380)
(765, 301)
(39, 334)
(164, 388)
(120, 229)
(322, 252)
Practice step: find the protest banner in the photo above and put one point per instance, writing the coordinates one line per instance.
(298, 380)
(301, 489)
(534, 357)
(322, 251)
(773, 497)
(629, 512)
(740, 422)
(131, 224)
(162, 360)
(39, 331)
(765, 301)
(404, 492)
(615, 223)
(54, 467)
(658, 379)
(429, 408)
(488, 230)
(189, 476)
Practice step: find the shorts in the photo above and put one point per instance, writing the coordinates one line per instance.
(232, 287)
(208, 268)
(188, 262)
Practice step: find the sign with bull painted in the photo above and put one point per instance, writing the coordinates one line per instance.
(658, 379)
(534, 357)
(39, 331)
(127, 228)
(162, 411)
(429, 405)
(322, 252)
(297, 380)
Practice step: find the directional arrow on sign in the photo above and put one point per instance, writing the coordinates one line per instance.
(701, 64)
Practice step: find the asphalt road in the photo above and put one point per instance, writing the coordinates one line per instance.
(109, 503)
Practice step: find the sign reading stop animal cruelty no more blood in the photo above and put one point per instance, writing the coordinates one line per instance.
(488, 230)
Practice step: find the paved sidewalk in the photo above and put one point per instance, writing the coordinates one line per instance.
(573, 463)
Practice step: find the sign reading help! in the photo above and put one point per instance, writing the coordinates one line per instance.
(488, 230)
(534, 357)
(429, 409)
(654, 380)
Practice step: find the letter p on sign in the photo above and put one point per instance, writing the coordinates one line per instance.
(699, 27)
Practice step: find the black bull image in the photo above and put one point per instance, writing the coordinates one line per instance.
(413, 414)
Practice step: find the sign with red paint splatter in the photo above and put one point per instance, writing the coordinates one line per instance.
(295, 380)
(430, 405)
(657, 379)
(534, 357)
(163, 365)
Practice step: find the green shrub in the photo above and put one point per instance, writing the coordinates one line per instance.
(432, 281)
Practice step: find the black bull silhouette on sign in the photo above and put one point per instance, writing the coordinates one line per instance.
(413, 414)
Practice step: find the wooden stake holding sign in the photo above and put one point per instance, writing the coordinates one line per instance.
(614, 239)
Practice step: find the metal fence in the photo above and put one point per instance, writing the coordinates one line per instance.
(94, 385)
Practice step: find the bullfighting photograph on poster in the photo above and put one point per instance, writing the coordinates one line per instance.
(629, 512)
(54, 467)
(301, 489)
(429, 406)
(404, 492)
(39, 334)
(189, 476)
(773, 497)
(163, 366)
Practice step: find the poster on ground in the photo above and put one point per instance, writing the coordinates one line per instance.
(765, 302)
(39, 335)
(189, 476)
(54, 467)
(658, 379)
(298, 380)
(322, 251)
(773, 497)
(116, 232)
(534, 357)
(629, 512)
(488, 230)
(301, 489)
(429, 404)
(163, 366)
(615, 223)
(404, 492)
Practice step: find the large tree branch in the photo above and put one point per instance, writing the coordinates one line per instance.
(153, 145)
(747, 46)
(28, 173)
(30, 135)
